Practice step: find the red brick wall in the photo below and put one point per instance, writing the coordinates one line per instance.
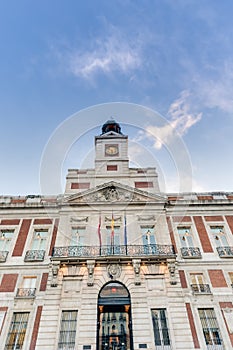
(54, 236)
(224, 305)
(205, 242)
(36, 328)
(10, 222)
(8, 282)
(22, 236)
(171, 233)
(80, 185)
(192, 326)
(181, 219)
(43, 282)
(217, 278)
(213, 218)
(182, 279)
(230, 222)
(204, 198)
(42, 222)
(143, 184)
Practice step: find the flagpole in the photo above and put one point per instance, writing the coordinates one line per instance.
(112, 232)
(99, 232)
(125, 233)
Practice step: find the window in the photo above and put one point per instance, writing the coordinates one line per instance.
(39, 240)
(148, 235)
(186, 238)
(161, 333)
(219, 236)
(148, 239)
(67, 330)
(17, 331)
(77, 236)
(28, 287)
(5, 239)
(210, 329)
(38, 246)
(198, 283)
(113, 236)
(197, 278)
(113, 240)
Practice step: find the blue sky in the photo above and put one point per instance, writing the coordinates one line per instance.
(174, 57)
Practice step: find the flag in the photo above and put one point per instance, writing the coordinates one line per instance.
(125, 231)
(112, 230)
(99, 231)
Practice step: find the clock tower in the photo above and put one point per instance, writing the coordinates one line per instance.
(111, 151)
(111, 164)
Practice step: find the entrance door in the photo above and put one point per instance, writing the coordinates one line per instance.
(114, 318)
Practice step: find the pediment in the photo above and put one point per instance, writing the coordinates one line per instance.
(114, 192)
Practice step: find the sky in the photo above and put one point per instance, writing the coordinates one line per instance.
(161, 68)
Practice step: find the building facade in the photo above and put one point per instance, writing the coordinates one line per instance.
(114, 264)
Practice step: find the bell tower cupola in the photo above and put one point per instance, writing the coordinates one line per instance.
(111, 125)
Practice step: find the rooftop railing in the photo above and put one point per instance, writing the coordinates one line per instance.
(201, 288)
(116, 250)
(190, 252)
(26, 292)
(3, 255)
(225, 252)
(34, 255)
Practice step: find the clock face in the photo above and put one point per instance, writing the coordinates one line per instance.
(111, 150)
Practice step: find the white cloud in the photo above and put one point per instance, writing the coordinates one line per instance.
(217, 92)
(181, 117)
(181, 120)
(108, 54)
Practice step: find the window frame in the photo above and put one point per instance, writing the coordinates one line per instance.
(210, 329)
(183, 239)
(60, 345)
(161, 341)
(220, 239)
(81, 238)
(19, 335)
(3, 231)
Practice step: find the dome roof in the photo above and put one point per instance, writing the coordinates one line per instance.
(111, 125)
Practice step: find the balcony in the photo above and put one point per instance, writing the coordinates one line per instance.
(200, 288)
(191, 252)
(3, 255)
(225, 252)
(152, 250)
(26, 293)
(34, 255)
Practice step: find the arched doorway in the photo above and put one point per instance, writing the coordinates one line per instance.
(114, 318)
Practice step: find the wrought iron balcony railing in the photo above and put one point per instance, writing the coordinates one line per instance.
(190, 252)
(34, 255)
(3, 255)
(26, 293)
(201, 288)
(116, 250)
(225, 252)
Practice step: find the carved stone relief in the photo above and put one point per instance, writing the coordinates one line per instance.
(172, 270)
(137, 268)
(114, 271)
(90, 271)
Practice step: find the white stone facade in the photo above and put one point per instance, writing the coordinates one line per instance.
(113, 231)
